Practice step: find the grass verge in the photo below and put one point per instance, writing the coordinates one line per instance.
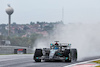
(97, 66)
(98, 61)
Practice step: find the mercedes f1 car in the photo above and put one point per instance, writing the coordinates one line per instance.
(57, 51)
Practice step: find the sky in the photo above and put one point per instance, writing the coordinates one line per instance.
(75, 11)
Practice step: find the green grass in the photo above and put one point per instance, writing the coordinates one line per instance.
(98, 61)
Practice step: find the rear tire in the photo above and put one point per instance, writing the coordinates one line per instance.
(38, 53)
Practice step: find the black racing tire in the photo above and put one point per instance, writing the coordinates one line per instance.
(66, 54)
(37, 60)
(73, 55)
(67, 60)
(38, 53)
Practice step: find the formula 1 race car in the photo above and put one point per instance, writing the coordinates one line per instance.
(57, 51)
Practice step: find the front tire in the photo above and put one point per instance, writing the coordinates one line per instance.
(73, 55)
(66, 54)
(37, 55)
(37, 60)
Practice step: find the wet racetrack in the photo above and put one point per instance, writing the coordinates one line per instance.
(26, 60)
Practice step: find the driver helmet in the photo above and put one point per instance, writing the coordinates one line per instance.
(56, 46)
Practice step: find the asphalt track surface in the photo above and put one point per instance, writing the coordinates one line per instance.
(26, 60)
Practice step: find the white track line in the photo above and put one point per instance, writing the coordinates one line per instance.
(81, 63)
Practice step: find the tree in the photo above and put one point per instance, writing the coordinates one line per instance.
(14, 23)
(32, 23)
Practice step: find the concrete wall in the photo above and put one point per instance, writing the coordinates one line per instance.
(10, 49)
